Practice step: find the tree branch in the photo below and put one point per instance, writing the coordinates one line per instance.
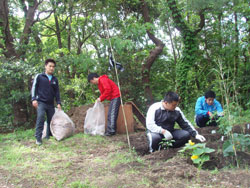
(5, 29)
(202, 22)
(154, 53)
(29, 22)
(45, 18)
(159, 44)
(178, 20)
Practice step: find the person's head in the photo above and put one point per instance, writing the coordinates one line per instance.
(209, 97)
(170, 101)
(93, 78)
(50, 65)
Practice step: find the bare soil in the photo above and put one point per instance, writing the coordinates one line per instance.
(77, 115)
(139, 142)
(171, 164)
(182, 168)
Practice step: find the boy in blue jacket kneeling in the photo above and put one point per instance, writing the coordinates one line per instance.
(207, 110)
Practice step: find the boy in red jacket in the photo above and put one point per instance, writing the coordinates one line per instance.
(109, 91)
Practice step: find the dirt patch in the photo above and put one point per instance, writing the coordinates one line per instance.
(77, 115)
(167, 164)
(139, 142)
(6, 180)
(214, 139)
(124, 166)
(242, 129)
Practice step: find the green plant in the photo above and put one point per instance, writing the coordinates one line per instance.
(198, 152)
(78, 184)
(165, 144)
(224, 127)
(239, 142)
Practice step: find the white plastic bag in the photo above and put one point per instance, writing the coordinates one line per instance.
(44, 130)
(94, 123)
(61, 125)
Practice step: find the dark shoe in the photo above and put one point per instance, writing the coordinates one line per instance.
(109, 134)
(46, 137)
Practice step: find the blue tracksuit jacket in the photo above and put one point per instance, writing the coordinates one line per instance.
(202, 108)
(44, 90)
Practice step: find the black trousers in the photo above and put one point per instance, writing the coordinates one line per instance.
(179, 136)
(41, 110)
(202, 121)
(113, 114)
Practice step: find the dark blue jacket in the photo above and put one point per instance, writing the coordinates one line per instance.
(44, 90)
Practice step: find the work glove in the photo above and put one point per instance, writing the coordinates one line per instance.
(167, 135)
(200, 138)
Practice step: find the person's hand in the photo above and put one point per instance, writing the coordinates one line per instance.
(98, 100)
(59, 106)
(35, 103)
(200, 138)
(210, 114)
(167, 134)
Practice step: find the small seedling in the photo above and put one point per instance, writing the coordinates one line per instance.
(166, 144)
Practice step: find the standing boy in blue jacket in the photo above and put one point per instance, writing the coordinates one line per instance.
(207, 110)
(44, 89)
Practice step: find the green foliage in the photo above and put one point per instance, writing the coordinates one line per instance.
(81, 89)
(166, 144)
(15, 77)
(238, 142)
(72, 72)
(198, 152)
(198, 5)
(217, 57)
(17, 135)
(233, 115)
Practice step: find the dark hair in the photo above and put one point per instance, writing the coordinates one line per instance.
(171, 96)
(91, 76)
(210, 94)
(50, 61)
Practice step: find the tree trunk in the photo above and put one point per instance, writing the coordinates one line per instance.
(20, 107)
(29, 21)
(236, 56)
(154, 53)
(69, 24)
(171, 40)
(58, 34)
(20, 113)
(8, 46)
(190, 48)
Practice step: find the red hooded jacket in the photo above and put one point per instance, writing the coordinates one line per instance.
(107, 88)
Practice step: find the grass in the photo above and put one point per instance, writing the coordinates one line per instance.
(74, 162)
(145, 182)
(84, 161)
(79, 184)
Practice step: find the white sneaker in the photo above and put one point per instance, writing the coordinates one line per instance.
(38, 143)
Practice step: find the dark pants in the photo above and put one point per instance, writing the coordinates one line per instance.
(41, 110)
(113, 114)
(179, 136)
(203, 121)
